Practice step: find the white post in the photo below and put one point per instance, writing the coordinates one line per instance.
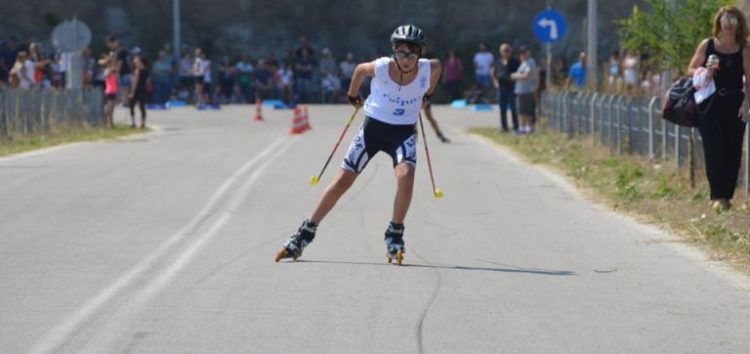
(74, 70)
(666, 76)
(747, 160)
(176, 29)
(591, 69)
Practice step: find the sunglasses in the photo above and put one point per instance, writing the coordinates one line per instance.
(400, 54)
(727, 21)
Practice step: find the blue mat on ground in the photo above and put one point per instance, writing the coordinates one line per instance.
(284, 106)
(271, 103)
(157, 107)
(176, 103)
(458, 104)
(208, 107)
(482, 107)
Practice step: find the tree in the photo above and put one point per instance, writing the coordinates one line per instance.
(669, 36)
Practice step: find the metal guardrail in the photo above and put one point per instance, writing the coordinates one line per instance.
(36, 111)
(631, 125)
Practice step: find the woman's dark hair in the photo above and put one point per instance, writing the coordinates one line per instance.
(742, 31)
(413, 47)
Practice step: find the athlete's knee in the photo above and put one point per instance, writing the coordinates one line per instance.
(405, 173)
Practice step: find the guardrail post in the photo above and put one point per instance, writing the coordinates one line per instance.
(651, 128)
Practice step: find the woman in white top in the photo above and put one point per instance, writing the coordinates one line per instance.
(401, 86)
(629, 72)
(202, 72)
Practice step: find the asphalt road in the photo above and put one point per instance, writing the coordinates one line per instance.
(164, 243)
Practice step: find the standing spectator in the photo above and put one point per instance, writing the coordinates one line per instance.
(41, 65)
(559, 71)
(303, 45)
(161, 73)
(577, 74)
(123, 66)
(245, 71)
(89, 68)
(286, 82)
(8, 53)
(226, 79)
(328, 72)
(327, 62)
(202, 76)
(614, 72)
(506, 97)
(187, 78)
(272, 66)
(453, 69)
(139, 92)
(630, 72)
(22, 73)
(99, 75)
(722, 127)
(526, 84)
(347, 69)
(110, 89)
(482, 62)
(57, 72)
(645, 77)
(63, 63)
(170, 55)
(263, 81)
(303, 71)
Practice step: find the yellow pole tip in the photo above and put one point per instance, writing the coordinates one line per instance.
(438, 193)
(314, 180)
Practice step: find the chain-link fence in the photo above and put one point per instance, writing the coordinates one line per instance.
(631, 125)
(38, 111)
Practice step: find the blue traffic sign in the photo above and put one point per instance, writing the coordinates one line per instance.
(549, 26)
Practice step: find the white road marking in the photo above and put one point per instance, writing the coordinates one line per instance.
(58, 336)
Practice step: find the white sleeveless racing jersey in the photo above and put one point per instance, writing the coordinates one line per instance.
(392, 103)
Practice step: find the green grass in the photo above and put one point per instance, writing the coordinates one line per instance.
(655, 192)
(61, 135)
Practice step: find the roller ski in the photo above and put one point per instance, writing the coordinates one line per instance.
(394, 243)
(294, 246)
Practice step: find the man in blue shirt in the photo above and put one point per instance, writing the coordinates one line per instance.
(577, 74)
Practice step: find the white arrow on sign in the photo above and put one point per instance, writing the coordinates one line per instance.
(545, 22)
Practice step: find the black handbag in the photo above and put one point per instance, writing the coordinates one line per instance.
(679, 105)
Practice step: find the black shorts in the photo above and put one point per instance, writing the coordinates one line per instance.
(110, 97)
(398, 141)
(526, 104)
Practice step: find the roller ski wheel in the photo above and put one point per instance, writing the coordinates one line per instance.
(281, 254)
(399, 257)
(294, 246)
(394, 243)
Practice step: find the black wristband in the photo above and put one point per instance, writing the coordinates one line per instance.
(355, 99)
(426, 98)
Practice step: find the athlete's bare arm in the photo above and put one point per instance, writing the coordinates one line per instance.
(435, 70)
(362, 70)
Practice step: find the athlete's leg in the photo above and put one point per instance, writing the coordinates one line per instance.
(404, 190)
(340, 184)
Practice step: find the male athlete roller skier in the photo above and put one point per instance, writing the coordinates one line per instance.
(401, 86)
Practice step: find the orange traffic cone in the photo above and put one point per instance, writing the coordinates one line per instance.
(307, 125)
(258, 113)
(298, 122)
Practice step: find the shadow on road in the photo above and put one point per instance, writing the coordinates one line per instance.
(504, 269)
